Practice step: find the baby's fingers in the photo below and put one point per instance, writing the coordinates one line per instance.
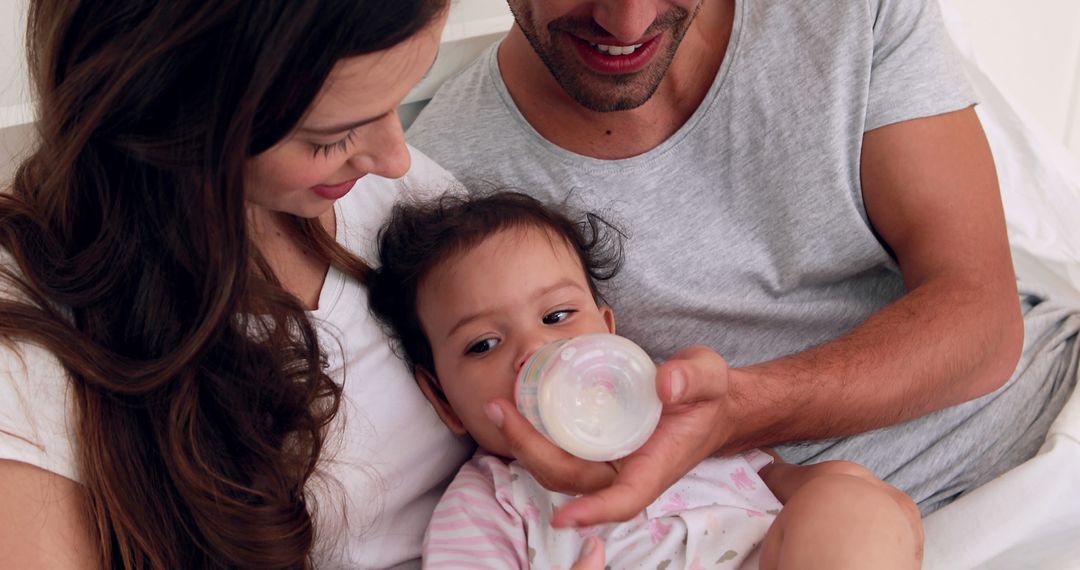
(592, 555)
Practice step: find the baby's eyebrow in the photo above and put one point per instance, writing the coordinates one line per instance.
(470, 318)
(561, 284)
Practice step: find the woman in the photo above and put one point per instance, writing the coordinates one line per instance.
(188, 369)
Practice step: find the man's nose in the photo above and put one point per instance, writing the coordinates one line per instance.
(626, 20)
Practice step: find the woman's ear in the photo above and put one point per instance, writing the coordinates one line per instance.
(609, 318)
(429, 385)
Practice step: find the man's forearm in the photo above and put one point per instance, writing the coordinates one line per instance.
(946, 342)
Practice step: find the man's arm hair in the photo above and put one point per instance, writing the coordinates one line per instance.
(931, 193)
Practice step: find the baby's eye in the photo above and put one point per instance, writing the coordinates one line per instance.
(483, 346)
(556, 317)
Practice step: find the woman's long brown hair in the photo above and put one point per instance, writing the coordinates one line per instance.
(201, 401)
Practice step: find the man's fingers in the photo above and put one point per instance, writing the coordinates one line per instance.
(693, 387)
(642, 478)
(618, 503)
(694, 374)
(552, 467)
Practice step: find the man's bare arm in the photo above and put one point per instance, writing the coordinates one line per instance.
(931, 192)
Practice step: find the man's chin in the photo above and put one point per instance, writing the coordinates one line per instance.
(608, 100)
(606, 93)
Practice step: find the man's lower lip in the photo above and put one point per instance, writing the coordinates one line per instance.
(334, 192)
(616, 64)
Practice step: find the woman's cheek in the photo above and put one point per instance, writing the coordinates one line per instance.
(295, 166)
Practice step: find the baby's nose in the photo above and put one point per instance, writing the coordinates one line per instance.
(523, 358)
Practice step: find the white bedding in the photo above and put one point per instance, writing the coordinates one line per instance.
(1030, 516)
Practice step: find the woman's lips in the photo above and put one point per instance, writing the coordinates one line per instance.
(336, 191)
(609, 64)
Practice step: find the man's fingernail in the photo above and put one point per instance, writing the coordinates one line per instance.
(495, 414)
(590, 546)
(678, 385)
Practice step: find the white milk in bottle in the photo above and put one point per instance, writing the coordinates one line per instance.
(593, 395)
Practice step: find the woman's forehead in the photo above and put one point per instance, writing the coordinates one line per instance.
(374, 83)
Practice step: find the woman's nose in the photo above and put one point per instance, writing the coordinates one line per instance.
(384, 152)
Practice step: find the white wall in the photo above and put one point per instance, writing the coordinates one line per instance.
(15, 108)
(1031, 49)
(472, 26)
(14, 91)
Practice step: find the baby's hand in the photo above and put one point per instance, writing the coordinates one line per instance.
(592, 555)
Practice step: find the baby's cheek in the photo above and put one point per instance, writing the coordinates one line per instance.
(491, 439)
(469, 398)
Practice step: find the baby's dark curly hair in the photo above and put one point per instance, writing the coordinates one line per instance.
(420, 235)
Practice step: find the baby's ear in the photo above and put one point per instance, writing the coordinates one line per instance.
(429, 385)
(609, 318)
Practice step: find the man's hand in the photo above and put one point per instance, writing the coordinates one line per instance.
(693, 389)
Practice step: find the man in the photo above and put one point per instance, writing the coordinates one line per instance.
(809, 199)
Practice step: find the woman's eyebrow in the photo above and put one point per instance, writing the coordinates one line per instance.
(357, 124)
(336, 129)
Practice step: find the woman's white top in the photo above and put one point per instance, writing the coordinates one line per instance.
(389, 457)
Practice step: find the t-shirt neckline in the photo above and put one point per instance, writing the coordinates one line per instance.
(334, 282)
(646, 157)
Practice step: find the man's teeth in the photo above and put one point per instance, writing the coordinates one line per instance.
(615, 50)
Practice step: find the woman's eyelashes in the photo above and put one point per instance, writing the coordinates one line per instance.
(328, 150)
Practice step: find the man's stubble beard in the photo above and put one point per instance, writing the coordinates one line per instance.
(605, 93)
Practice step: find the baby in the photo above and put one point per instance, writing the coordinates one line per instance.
(471, 287)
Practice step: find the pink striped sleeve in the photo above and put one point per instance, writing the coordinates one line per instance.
(475, 525)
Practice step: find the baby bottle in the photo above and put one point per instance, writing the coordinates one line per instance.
(593, 395)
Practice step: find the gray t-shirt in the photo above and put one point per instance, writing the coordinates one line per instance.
(746, 228)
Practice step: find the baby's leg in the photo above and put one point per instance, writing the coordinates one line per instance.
(839, 515)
